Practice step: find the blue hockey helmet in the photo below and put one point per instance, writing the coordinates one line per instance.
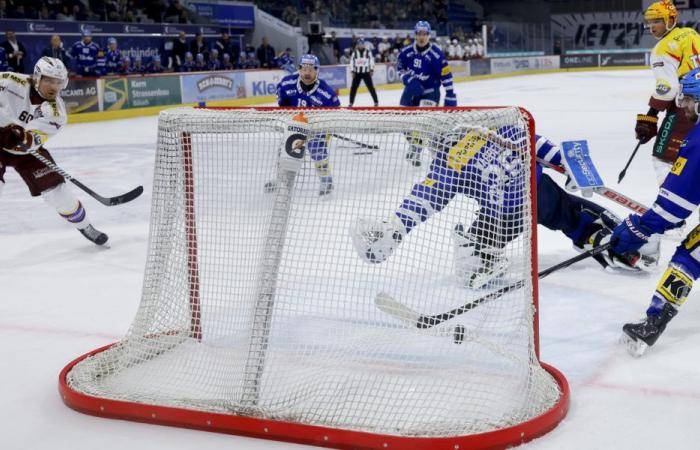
(309, 59)
(690, 85)
(422, 26)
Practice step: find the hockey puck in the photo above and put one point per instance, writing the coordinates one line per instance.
(459, 334)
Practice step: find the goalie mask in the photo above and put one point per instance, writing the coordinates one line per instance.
(52, 68)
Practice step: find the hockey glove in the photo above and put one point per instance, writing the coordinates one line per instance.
(630, 235)
(14, 137)
(450, 98)
(646, 127)
(413, 88)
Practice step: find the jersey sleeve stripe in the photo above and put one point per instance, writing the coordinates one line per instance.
(678, 200)
(659, 210)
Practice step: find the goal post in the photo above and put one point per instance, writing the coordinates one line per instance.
(258, 312)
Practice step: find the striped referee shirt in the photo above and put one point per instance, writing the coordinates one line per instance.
(361, 61)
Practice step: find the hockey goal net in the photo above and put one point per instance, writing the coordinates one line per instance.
(259, 315)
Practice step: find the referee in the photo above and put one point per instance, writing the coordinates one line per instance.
(362, 67)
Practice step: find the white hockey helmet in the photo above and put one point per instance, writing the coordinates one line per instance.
(50, 67)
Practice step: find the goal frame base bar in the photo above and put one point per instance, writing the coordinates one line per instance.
(309, 434)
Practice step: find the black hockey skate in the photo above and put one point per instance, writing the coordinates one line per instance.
(413, 157)
(326, 188)
(93, 235)
(640, 336)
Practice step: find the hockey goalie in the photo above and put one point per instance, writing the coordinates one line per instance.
(487, 166)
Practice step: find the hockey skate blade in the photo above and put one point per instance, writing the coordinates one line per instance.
(635, 348)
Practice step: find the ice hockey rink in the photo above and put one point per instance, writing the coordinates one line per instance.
(61, 296)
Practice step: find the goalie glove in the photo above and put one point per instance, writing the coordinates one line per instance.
(376, 240)
(476, 264)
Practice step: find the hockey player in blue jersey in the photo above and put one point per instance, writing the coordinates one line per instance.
(493, 175)
(84, 52)
(304, 89)
(678, 197)
(423, 67)
(113, 57)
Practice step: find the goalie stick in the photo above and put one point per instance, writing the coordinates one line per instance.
(606, 192)
(107, 201)
(387, 304)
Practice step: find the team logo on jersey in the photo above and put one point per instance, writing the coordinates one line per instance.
(663, 88)
(679, 165)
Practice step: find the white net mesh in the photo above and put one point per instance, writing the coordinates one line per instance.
(256, 300)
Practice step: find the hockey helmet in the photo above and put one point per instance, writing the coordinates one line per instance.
(309, 59)
(50, 67)
(664, 10)
(690, 85)
(690, 88)
(422, 26)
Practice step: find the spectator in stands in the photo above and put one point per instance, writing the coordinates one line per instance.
(198, 46)
(393, 56)
(285, 61)
(214, 63)
(4, 12)
(226, 63)
(200, 64)
(4, 67)
(398, 43)
(225, 45)
(290, 16)
(55, 50)
(180, 49)
(345, 58)
(384, 45)
(266, 55)
(454, 50)
(64, 14)
(15, 51)
(84, 54)
(188, 64)
(113, 57)
(155, 66)
(333, 42)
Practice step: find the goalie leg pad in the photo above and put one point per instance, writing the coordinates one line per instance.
(376, 240)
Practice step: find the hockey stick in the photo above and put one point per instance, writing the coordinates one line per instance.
(107, 201)
(358, 143)
(629, 161)
(605, 191)
(412, 318)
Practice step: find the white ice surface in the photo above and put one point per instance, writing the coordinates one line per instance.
(60, 296)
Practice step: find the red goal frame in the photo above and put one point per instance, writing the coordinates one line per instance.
(310, 434)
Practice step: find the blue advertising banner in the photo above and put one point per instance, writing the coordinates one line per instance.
(238, 16)
(335, 76)
(212, 86)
